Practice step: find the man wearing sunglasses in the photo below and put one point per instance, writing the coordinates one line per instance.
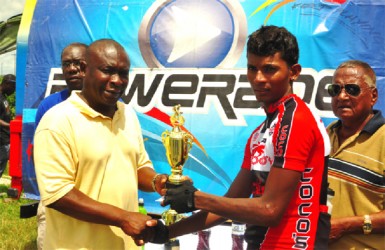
(357, 160)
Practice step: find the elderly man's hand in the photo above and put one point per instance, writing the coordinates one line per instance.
(338, 227)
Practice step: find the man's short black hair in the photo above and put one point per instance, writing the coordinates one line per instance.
(75, 44)
(271, 39)
(9, 78)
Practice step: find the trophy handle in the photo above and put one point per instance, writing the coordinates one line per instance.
(164, 136)
(188, 138)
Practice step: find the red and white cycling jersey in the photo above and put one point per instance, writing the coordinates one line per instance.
(292, 137)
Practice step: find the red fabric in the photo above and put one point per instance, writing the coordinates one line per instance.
(291, 137)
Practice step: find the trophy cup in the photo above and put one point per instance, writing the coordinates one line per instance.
(177, 143)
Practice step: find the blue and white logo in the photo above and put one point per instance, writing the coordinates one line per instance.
(193, 34)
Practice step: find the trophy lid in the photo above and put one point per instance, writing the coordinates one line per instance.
(177, 119)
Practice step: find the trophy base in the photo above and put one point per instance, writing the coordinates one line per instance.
(173, 244)
(170, 216)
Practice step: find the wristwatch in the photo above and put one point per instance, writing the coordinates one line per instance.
(153, 182)
(367, 226)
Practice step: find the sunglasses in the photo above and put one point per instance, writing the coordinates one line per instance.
(350, 89)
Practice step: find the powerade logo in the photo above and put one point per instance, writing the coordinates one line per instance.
(193, 34)
(227, 90)
(191, 48)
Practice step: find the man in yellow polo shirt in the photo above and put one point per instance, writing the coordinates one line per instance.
(90, 160)
(357, 160)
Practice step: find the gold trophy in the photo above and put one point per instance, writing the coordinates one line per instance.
(178, 144)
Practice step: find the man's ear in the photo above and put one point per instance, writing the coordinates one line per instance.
(295, 71)
(374, 96)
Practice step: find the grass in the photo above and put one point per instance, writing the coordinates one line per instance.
(15, 233)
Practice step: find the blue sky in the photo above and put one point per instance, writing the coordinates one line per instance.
(9, 9)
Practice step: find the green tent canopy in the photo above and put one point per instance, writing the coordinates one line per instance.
(8, 34)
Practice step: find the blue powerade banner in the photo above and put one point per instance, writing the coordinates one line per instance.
(192, 53)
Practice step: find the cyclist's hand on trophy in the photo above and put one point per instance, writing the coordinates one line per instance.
(163, 191)
(181, 197)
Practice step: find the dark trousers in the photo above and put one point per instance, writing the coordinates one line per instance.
(4, 156)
